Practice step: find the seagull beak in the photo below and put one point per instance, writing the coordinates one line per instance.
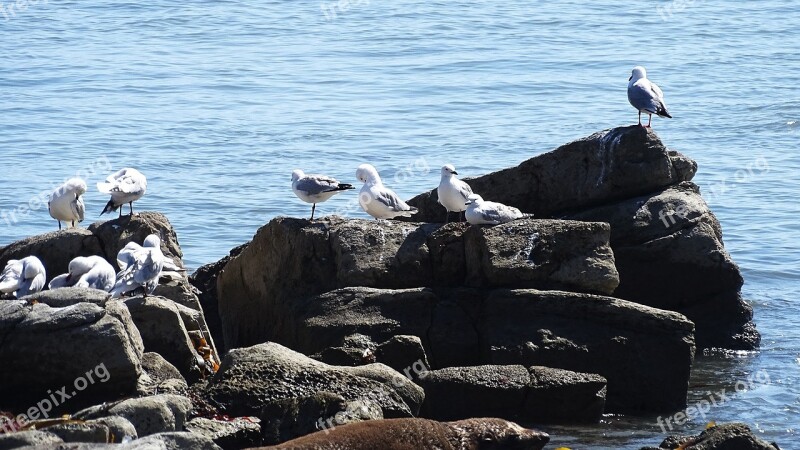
(630, 78)
(468, 203)
(455, 173)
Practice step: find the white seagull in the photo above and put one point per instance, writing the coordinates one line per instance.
(87, 271)
(491, 213)
(645, 96)
(376, 199)
(316, 188)
(142, 268)
(453, 193)
(125, 186)
(126, 256)
(66, 202)
(23, 276)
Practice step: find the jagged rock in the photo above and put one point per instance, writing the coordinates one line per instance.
(730, 436)
(401, 352)
(354, 350)
(149, 415)
(537, 394)
(161, 377)
(483, 433)
(42, 341)
(238, 433)
(116, 233)
(163, 331)
(68, 296)
(289, 418)
(80, 432)
(606, 166)
(174, 440)
(9, 441)
(249, 378)
(669, 252)
(291, 259)
(120, 429)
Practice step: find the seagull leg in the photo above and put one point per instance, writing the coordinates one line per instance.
(131, 205)
(649, 119)
(464, 215)
(640, 119)
(59, 225)
(313, 207)
(447, 217)
(120, 212)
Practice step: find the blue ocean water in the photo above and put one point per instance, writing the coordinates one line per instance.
(216, 102)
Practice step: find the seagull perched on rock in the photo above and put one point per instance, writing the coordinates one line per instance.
(316, 188)
(645, 96)
(376, 199)
(22, 277)
(482, 212)
(453, 193)
(87, 271)
(66, 202)
(127, 256)
(125, 186)
(142, 268)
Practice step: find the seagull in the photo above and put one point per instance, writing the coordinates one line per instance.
(87, 271)
(376, 199)
(492, 213)
(142, 268)
(23, 276)
(645, 96)
(125, 186)
(316, 188)
(452, 192)
(66, 202)
(126, 256)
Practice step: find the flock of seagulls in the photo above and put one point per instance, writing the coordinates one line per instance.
(142, 265)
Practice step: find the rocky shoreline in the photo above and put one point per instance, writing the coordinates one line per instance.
(351, 332)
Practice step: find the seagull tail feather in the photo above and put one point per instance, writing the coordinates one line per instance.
(110, 207)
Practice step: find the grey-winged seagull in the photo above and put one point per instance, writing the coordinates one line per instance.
(316, 188)
(87, 271)
(143, 268)
(452, 192)
(66, 202)
(23, 276)
(125, 186)
(645, 96)
(376, 199)
(481, 212)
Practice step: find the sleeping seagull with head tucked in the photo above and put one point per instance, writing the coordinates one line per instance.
(376, 199)
(87, 271)
(480, 212)
(125, 186)
(645, 96)
(452, 192)
(316, 188)
(22, 277)
(66, 202)
(142, 268)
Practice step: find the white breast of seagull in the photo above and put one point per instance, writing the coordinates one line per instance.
(453, 193)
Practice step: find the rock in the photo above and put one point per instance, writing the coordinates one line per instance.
(237, 433)
(149, 415)
(293, 259)
(19, 439)
(536, 394)
(470, 434)
(250, 378)
(604, 167)
(289, 418)
(120, 429)
(671, 240)
(401, 352)
(68, 296)
(41, 342)
(354, 350)
(731, 436)
(172, 441)
(116, 233)
(80, 432)
(163, 331)
(162, 377)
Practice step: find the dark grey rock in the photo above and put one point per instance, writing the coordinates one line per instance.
(80, 432)
(9, 441)
(241, 432)
(730, 436)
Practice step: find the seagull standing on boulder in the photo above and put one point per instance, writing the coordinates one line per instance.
(23, 277)
(480, 212)
(142, 271)
(66, 202)
(376, 199)
(87, 271)
(452, 192)
(125, 186)
(316, 188)
(645, 96)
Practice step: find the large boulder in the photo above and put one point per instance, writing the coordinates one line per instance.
(669, 252)
(292, 259)
(149, 415)
(237, 433)
(64, 357)
(250, 378)
(729, 436)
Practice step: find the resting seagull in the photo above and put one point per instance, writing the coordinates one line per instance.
(142, 271)
(645, 96)
(376, 199)
(125, 186)
(481, 212)
(316, 188)
(453, 193)
(23, 276)
(126, 256)
(66, 202)
(87, 271)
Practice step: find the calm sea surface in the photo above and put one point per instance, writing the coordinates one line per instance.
(216, 103)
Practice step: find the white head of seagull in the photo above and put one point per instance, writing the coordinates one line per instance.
(376, 199)
(646, 96)
(448, 170)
